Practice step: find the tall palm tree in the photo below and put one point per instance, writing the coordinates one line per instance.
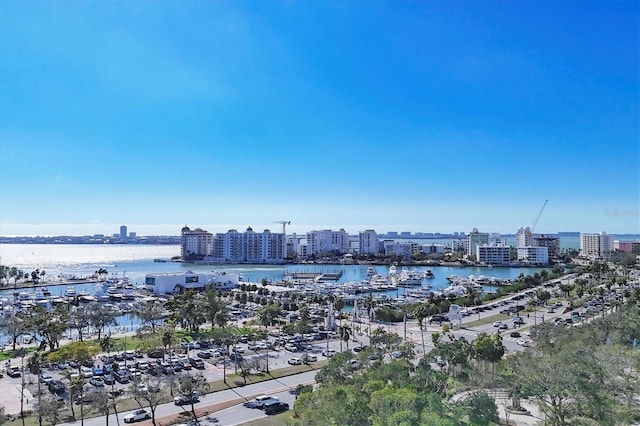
(345, 334)
(107, 344)
(421, 311)
(34, 365)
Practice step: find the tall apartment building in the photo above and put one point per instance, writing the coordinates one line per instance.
(474, 239)
(123, 231)
(248, 247)
(196, 242)
(596, 246)
(524, 238)
(369, 243)
(328, 241)
(551, 243)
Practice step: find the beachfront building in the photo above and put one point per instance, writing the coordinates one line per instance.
(328, 241)
(531, 255)
(176, 282)
(247, 247)
(552, 244)
(401, 249)
(369, 243)
(195, 244)
(493, 254)
(524, 238)
(596, 246)
(433, 248)
(459, 246)
(627, 246)
(475, 239)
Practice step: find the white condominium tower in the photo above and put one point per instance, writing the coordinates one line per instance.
(596, 246)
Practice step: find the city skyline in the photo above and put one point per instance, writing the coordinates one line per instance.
(406, 116)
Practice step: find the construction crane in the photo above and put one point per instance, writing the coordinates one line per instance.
(284, 237)
(535, 222)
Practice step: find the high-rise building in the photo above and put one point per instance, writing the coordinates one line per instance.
(369, 243)
(328, 241)
(524, 237)
(474, 239)
(197, 242)
(552, 244)
(596, 246)
(123, 231)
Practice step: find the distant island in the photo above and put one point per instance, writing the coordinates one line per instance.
(95, 239)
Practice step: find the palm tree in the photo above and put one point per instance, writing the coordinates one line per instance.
(421, 311)
(227, 342)
(107, 344)
(34, 365)
(345, 334)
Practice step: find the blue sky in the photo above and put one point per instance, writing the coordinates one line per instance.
(391, 115)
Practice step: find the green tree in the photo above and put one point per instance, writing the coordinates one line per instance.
(482, 409)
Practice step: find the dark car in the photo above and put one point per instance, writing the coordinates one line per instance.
(197, 363)
(275, 407)
(514, 334)
(56, 386)
(204, 354)
(108, 379)
(186, 399)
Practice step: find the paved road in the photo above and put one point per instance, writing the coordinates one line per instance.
(234, 415)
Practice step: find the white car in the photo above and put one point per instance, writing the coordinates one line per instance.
(329, 353)
(291, 347)
(137, 416)
(524, 343)
(86, 372)
(310, 358)
(295, 361)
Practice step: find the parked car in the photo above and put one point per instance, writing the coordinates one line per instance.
(45, 378)
(524, 343)
(86, 372)
(309, 358)
(204, 354)
(108, 379)
(295, 361)
(13, 371)
(137, 416)
(97, 371)
(275, 407)
(56, 386)
(291, 347)
(514, 334)
(97, 381)
(329, 353)
(187, 399)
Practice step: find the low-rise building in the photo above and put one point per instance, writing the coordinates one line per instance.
(531, 255)
(493, 254)
(176, 282)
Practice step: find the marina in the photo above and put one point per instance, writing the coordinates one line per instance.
(122, 287)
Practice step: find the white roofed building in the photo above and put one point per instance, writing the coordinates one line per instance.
(175, 282)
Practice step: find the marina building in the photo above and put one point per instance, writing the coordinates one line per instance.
(493, 254)
(176, 282)
(474, 239)
(459, 246)
(402, 249)
(596, 246)
(368, 242)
